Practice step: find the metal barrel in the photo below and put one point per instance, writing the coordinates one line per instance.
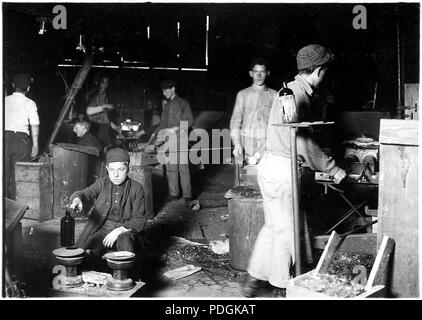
(246, 217)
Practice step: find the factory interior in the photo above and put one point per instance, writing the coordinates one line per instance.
(354, 230)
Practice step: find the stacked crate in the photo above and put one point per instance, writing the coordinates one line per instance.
(34, 187)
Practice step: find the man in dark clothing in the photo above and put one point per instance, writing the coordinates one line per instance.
(84, 136)
(118, 216)
(176, 119)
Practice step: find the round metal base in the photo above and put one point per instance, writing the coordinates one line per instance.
(120, 285)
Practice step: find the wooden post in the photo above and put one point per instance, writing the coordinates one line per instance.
(295, 195)
(77, 84)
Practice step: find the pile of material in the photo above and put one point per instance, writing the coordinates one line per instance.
(243, 191)
(331, 285)
(339, 280)
(201, 256)
(343, 263)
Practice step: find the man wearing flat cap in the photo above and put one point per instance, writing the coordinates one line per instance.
(272, 259)
(176, 111)
(21, 129)
(118, 215)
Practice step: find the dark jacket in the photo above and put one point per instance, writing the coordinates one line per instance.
(176, 110)
(89, 140)
(133, 215)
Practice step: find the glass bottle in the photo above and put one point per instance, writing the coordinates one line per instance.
(288, 104)
(67, 230)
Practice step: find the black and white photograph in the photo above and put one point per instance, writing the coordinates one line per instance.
(240, 151)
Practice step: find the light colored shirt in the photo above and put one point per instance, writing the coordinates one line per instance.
(278, 137)
(20, 113)
(251, 111)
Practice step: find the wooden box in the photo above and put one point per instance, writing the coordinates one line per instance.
(376, 283)
(34, 187)
(398, 204)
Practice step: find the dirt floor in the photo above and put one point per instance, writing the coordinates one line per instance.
(32, 272)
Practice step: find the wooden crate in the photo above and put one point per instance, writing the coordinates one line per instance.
(398, 205)
(34, 187)
(376, 282)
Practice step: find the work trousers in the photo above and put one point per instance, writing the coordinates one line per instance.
(125, 241)
(18, 148)
(273, 256)
(173, 170)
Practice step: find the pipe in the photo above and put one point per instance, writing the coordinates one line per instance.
(77, 84)
(399, 78)
(295, 195)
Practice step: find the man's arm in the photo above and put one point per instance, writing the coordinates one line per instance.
(89, 193)
(35, 129)
(187, 114)
(91, 110)
(236, 124)
(315, 157)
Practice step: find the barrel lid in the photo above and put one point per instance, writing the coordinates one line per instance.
(75, 147)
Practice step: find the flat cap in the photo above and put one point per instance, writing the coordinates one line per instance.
(167, 84)
(313, 56)
(117, 155)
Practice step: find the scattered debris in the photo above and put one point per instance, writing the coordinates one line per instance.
(94, 277)
(180, 240)
(200, 256)
(181, 272)
(225, 217)
(244, 191)
(194, 205)
(220, 246)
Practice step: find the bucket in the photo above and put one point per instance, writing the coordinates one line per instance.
(70, 173)
(246, 217)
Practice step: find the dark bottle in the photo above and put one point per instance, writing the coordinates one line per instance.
(67, 230)
(287, 104)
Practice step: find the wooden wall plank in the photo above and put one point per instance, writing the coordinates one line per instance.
(400, 132)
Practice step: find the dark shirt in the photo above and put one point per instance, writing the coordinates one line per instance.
(89, 140)
(176, 110)
(116, 199)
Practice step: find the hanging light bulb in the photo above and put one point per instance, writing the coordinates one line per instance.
(42, 28)
(80, 46)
